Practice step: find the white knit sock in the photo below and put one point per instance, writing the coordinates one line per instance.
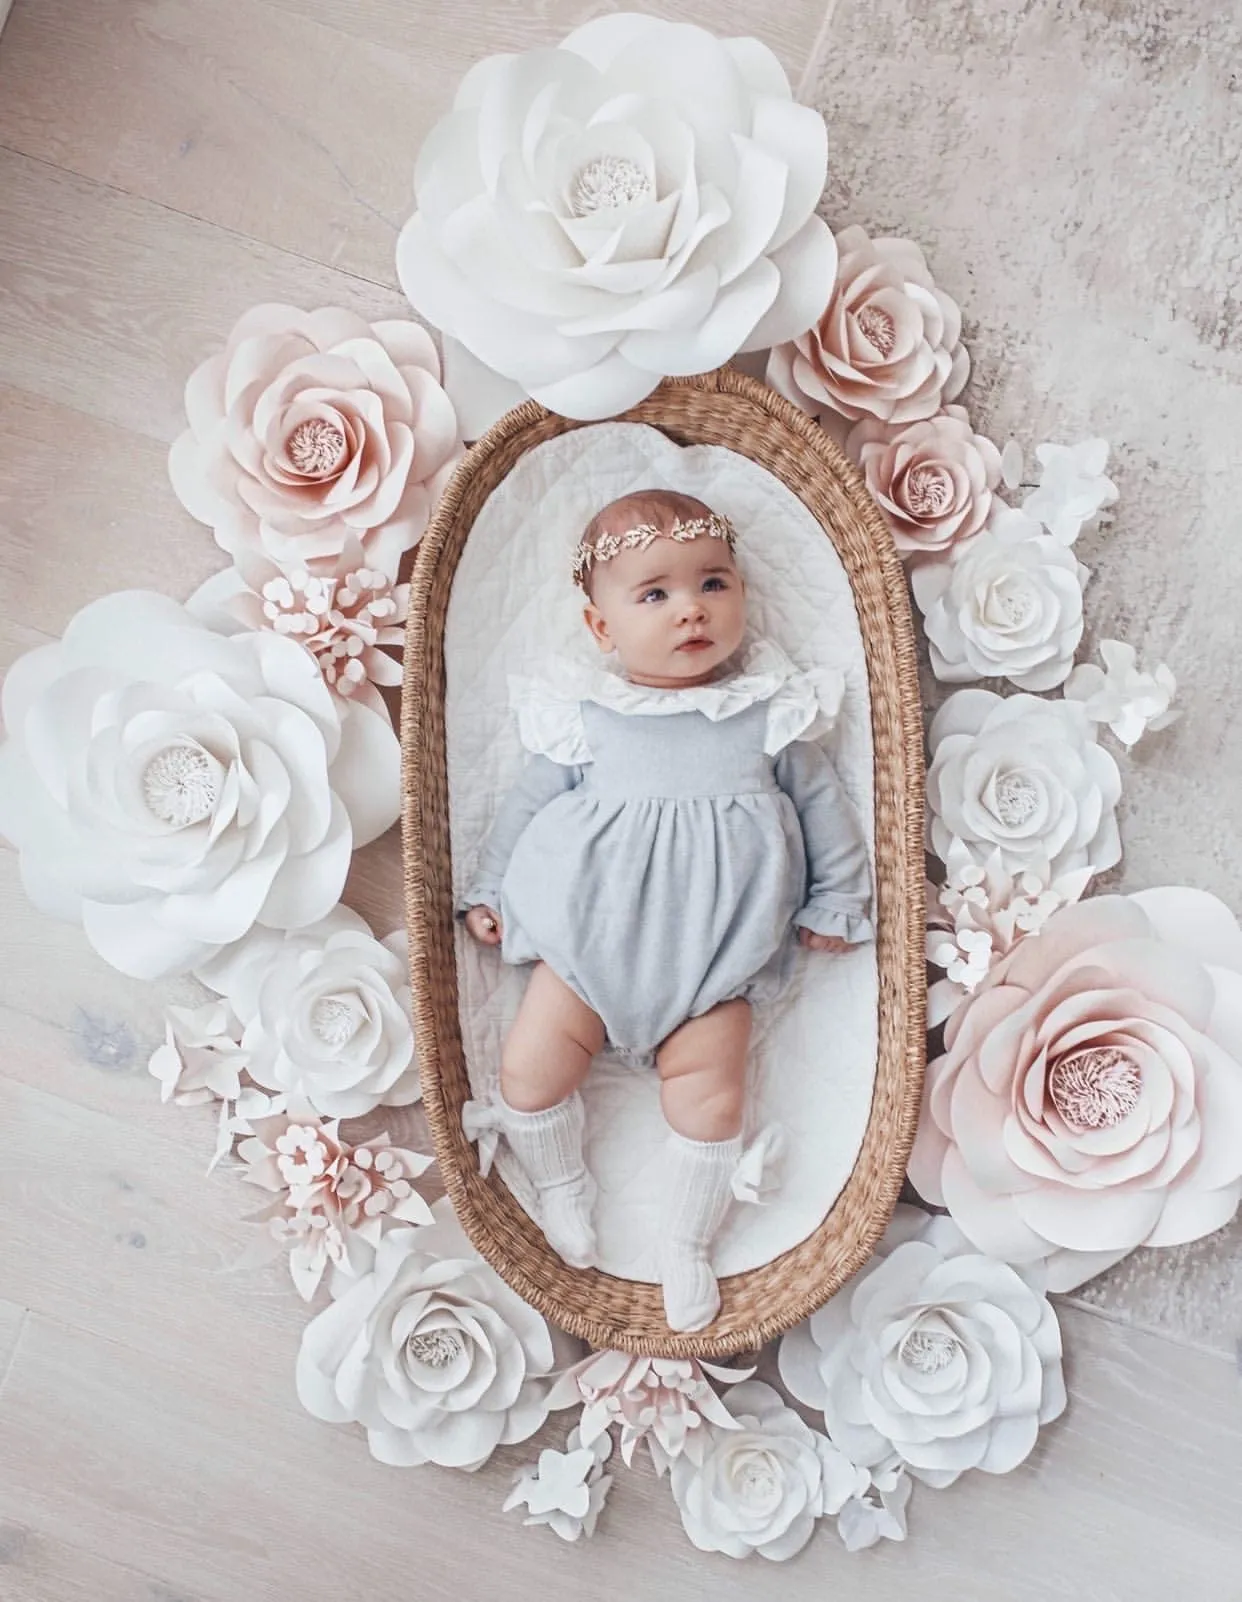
(548, 1145)
(697, 1189)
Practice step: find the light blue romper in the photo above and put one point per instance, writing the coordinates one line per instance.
(661, 846)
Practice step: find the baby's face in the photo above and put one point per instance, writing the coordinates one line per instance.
(673, 613)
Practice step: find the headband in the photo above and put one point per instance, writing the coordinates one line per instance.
(713, 526)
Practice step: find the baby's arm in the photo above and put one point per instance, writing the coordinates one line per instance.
(542, 781)
(838, 902)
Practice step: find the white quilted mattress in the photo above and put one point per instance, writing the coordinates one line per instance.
(513, 606)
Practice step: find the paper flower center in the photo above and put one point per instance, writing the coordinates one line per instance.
(607, 182)
(180, 785)
(435, 1349)
(928, 1350)
(334, 1020)
(316, 447)
(929, 491)
(756, 1480)
(1095, 1088)
(1016, 798)
(1010, 604)
(877, 328)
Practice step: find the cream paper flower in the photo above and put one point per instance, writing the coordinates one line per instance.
(1073, 491)
(879, 1514)
(430, 1352)
(565, 1490)
(932, 479)
(170, 788)
(1008, 605)
(311, 428)
(1024, 777)
(932, 1353)
(888, 345)
(664, 1401)
(761, 1486)
(1118, 694)
(1089, 1097)
(202, 1058)
(636, 202)
(325, 1014)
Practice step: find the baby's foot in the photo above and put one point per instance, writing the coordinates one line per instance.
(566, 1218)
(691, 1294)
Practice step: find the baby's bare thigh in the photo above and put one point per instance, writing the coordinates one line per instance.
(718, 1040)
(550, 1007)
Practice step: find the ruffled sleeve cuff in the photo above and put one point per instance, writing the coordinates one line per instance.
(843, 916)
(482, 893)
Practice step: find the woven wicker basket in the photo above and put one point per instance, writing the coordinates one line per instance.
(722, 408)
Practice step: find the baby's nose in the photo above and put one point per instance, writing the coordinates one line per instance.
(692, 607)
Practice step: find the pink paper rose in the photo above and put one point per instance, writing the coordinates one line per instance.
(1089, 1099)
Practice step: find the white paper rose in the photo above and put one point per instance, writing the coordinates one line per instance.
(638, 201)
(1024, 777)
(947, 1358)
(1089, 1098)
(325, 1014)
(761, 1486)
(430, 1352)
(312, 427)
(888, 345)
(170, 788)
(932, 479)
(1009, 605)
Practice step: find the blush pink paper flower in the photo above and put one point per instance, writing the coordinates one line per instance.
(1089, 1098)
(932, 479)
(888, 346)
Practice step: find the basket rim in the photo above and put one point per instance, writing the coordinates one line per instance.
(763, 1302)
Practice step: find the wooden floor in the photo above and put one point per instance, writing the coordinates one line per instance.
(165, 164)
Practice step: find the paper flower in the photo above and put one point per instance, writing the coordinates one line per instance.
(1130, 702)
(342, 617)
(334, 1199)
(1024, 777)
(664, 1401)
(761, 1487)
(325, 1013)
(565, 1490)
(638, 201)
(1089, 1099)
(1073, 489)
(430, 1352)
(933, 479)
(879, 1514)
(170, 788)
(310, 428)
(932, 1352)
(1009, 605)
(980, 913)
(888, 345)
(202, 1058)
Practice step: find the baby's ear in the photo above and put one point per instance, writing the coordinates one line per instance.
(594, 620)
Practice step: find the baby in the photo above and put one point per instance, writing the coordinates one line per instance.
(674, 825)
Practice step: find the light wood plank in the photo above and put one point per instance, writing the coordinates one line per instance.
(1134, 1498)
(42, 1569)
(12, 1317)
(127, 296)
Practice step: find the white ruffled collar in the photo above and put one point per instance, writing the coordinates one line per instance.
(802, 705)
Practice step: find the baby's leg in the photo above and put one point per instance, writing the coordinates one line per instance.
(545, 1059)
(703, 1069)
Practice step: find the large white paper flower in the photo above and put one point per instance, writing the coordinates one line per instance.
(760, 1487)
(1008, 605)
(1024, 777)
(325, 1013)
(170, 788)
(947, 1358)
(310, 428)
(431, 1352)
(638, 201)
(1089, 1097)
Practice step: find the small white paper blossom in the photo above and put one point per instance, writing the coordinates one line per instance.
(980, 913)
(1073, 488)
(1129, 701)
(879, 1514)
(565, 1490)
(665, 1401)
(202, 1058)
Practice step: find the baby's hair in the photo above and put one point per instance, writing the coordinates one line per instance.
(654, 508)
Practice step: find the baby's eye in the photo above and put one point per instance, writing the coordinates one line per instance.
(715, 584)
(656, 594)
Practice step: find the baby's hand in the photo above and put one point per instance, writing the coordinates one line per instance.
(484, 925)
(819, 942)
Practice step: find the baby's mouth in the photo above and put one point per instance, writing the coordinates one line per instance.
(699, 643)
